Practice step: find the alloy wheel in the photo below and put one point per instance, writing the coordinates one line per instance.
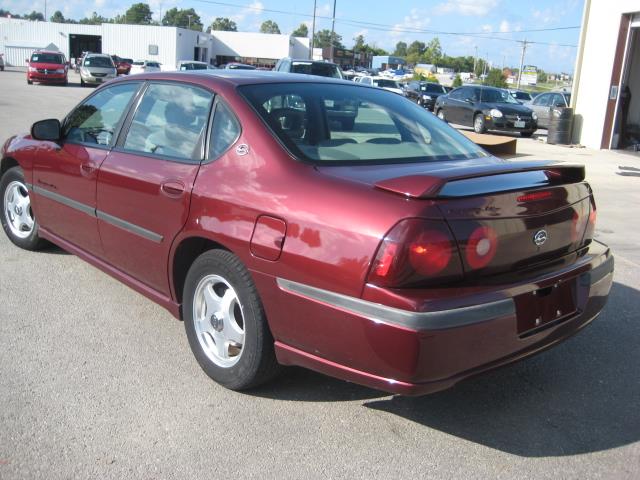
(17, 209)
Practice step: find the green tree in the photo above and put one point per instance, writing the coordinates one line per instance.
(457, 82)
(542, 76)
(496, 78)
(57, 17)
(433, 52)
(401, 49)
(301, 31)
(178, 17)
(415, 52)
(269, 26)
(223, 24)
(359, 45)
(95, 19)
(35, 16)
(323, 38)
(139, 14)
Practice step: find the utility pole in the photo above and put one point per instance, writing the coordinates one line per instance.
(475, 61)
(189, 17)
(313, 30)
(45, 11)
(333, 24)
(524, 49)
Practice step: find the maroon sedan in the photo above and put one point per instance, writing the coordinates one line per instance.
(396, 254)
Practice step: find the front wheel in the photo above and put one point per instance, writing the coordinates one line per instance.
(29, 82)
(478, 124)
(225, 322)
(18, 220)
(440, 114)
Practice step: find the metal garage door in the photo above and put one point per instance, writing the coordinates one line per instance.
(15, 56)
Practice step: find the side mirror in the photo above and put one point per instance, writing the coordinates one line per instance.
(49, 129)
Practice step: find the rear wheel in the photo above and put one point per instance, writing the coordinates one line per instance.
(225, 322)
(478, 124)
(18, 220)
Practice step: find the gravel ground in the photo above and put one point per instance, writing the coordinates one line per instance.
(98, 382)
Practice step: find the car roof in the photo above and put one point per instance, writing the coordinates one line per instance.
(307, 60)
(98, 55)
(48, 51)
(238, 77)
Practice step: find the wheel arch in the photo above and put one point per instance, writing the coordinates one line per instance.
(184, 254)
(7, 163)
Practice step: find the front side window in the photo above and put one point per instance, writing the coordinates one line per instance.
(224, 132)
(457, 93)
(169, 121)
(96, 120)
(542, 100)
(344, 124)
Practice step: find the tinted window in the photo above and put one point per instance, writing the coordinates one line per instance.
(328, 123)
(47, 58)
(153, 64)
(169, 121)
(224, 132)
(96, 119)
(381, 82)
(558, 100)
(102, 62)
(315, 68)
(433, 88)
(457, 93)
(491, 95)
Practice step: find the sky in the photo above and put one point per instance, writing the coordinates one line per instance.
(467, 23)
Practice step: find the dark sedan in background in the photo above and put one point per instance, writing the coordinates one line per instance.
(424, 94)
(486, 108)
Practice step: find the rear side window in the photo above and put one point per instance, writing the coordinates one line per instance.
(224, 132)
(170, 121)
(95, 120)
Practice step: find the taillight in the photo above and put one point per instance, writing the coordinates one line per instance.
(591, 224)
(416, 252)
(481, 247)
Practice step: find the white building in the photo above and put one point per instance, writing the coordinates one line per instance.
(608, 74)
(167, 45)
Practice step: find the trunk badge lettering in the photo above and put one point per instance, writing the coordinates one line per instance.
(242, 149)
(540, 237)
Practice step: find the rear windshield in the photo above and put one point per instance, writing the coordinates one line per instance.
(521, 95)
(47, 58)
(193, 66)
(338, 124)
(98, 62)
(433, 88)
(153, 64)
(137, 63)
(319, 69)
(240, 67)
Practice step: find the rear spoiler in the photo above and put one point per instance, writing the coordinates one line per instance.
(431, 184)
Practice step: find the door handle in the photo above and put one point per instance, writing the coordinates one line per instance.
(172, 189)
(87, 169)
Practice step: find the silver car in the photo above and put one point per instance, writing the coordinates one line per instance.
(545, 102)
(97, 68)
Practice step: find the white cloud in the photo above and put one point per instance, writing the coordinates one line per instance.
(467, 7)
(416, 20)
(505, 26)
(256, 8)
(545, 16)
(487, 28)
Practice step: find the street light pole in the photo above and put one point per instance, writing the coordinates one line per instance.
(313, 30)
(333, 24)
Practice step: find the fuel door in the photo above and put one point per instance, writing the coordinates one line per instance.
(268, 237)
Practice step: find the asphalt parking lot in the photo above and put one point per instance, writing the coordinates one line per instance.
(96, 381)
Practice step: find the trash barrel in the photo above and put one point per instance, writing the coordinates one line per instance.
(560, 124)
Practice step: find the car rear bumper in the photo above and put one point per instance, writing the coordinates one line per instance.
(419, 352)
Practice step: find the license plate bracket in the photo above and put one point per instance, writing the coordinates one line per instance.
(545, 306)
(519, 124)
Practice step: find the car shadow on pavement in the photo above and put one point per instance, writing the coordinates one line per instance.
(579, 397)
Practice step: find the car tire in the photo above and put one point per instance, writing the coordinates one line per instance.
(18, 220)
(440, 114)
(526, 134)
(29, 82)
(226, 324)
(479, 125)
(82, 84)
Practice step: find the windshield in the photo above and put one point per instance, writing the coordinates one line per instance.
(319, 69)
(329, 123)
(521, 95)
(47, 58)
(382, 82)
(490, 95)
(432, 88)
(102, 62)
(237, 66)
